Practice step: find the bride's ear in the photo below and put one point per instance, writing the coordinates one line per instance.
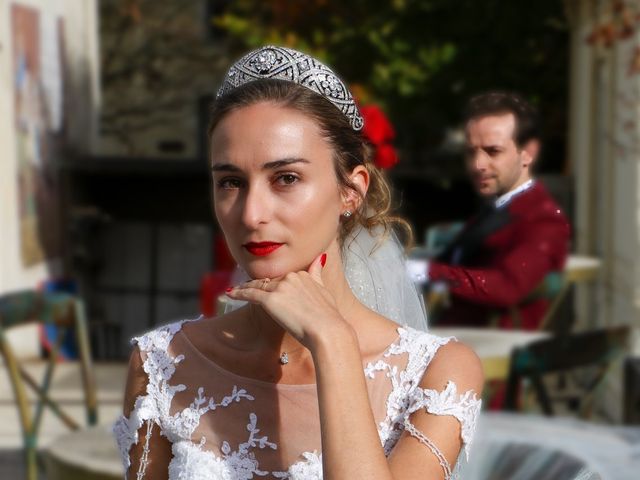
(359, 178)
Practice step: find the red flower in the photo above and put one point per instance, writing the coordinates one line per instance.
(386, 156)
(379, 132)
(377, 128)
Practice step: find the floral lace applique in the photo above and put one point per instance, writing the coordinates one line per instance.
(420, 347)
(155, 405)
(407, 397)
(193, 462)
(464, 407)
(183, 424)
(309, 468)
(159, 367)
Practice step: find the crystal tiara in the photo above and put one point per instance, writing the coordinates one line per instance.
(286, 64)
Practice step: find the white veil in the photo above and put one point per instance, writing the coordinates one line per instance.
(375, 267)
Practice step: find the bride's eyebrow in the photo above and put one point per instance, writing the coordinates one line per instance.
(228, 167)
(283, 163)
(224, 167)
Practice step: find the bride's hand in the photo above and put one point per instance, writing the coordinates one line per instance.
(298, 301)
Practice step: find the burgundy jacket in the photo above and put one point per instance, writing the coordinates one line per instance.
(500, 257)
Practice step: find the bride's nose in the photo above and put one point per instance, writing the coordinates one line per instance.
(256, 208)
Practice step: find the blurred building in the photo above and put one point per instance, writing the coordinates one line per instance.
(142, 198)
(48, 107)
(605, 155)
(105, 179)
(604, 148)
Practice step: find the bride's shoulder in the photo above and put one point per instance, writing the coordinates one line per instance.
(421, 346)
(160, 337)
(217, 326)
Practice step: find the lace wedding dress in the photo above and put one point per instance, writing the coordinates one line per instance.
(224, 426)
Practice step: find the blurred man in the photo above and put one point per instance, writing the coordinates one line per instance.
(494, 265)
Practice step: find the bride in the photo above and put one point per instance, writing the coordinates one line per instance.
(309, 379)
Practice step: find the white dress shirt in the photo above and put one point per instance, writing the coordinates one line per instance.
(504, 199)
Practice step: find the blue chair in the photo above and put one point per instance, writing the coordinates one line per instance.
(65, 311)
(439, 236)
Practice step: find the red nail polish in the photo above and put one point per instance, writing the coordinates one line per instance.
(323, 259)
(228, 289)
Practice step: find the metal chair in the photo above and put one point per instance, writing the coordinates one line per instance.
(553, 288)
(437, 237)
(63, 311)
(597, 349)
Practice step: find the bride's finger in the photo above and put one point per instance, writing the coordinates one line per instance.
(266, 284)
(251, 295)
(315, 269)
(254, 291)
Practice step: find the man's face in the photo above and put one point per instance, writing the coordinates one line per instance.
(494, 161)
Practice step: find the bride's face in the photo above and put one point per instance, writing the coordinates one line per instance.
(276, 195)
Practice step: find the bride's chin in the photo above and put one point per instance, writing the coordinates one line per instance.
(265, 272)
(270, 270)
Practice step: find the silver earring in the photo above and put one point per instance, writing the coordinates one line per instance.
(347, 213)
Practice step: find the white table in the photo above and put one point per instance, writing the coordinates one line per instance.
(582, 268)
(492, 345)
(579, 268)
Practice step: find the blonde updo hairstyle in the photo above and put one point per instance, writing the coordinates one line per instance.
(349, 147)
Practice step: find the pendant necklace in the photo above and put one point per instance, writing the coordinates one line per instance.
(284, 356)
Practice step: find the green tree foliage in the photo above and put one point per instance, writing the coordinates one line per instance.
(422, 59)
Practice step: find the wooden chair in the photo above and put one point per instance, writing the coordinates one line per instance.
(597, 349)
(63, 311)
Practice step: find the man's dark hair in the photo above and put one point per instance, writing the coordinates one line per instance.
(498, 103)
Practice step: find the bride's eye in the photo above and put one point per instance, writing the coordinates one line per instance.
(229, 183)
(286, 179)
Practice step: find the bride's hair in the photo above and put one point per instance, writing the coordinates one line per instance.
(349, 147)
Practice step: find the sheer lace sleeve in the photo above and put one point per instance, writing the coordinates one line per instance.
(137, 445)
(150, 370)
(136, 431)
(128, 440)
(463, 406)
(449, 386)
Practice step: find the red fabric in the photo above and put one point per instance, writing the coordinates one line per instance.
(511, 264)
(221, 254)
(212, 285)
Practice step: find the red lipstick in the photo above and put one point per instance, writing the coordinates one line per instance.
(261, 249)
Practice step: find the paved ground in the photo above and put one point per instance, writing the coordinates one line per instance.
(12, 465)
(67, 388)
